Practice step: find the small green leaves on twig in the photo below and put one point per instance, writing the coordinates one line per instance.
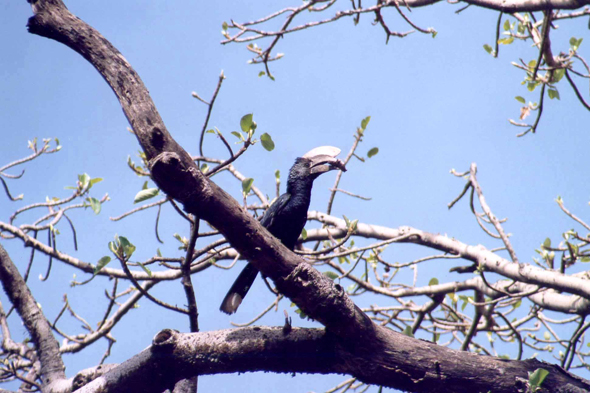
(575, 43)
(267, 142)
(372, 152)
(247, 185)
(408, 331)
(553, 93)
(182, 240)
(247, 124)
(536, 379)
(145, 193)
(365, 122)
(94, 204)
(102, 262)
(145, 269)
(350, 225)
(489, 49)
(304, 234)
(122, 248)
(86, 182)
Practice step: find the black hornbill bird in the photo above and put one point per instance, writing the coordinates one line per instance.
(286, 217)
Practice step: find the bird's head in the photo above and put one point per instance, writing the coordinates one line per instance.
(315, 162)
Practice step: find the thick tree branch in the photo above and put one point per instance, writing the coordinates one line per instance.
(390, 363)
(52, 367)
(479, 254)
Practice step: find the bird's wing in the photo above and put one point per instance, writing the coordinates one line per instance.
(274, 210)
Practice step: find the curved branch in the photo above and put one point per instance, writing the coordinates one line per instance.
(52, 367)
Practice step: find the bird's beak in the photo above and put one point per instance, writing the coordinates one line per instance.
(322, 164)
(323, 159)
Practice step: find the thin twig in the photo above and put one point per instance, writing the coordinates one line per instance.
(193, 313)
(573, 85)
(351, 194)
(210, 104)
(489, 213)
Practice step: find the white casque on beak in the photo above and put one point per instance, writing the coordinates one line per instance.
(323, 151)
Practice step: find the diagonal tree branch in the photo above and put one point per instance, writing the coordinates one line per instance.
(52, 367)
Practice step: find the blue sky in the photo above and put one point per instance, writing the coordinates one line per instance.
(435, 104)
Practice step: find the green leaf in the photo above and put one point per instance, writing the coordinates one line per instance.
(488, 48)
(506, 25)
(301, 314)
(159, 253)
(506, 40)
(102, 262)
(261, 73)
(84, 180)
(146, 194)
(204, 168)
(531, 86)
(463, 306)
(278, 175)
(246, 122)
(584, 259)
(304, 234)
(331, 275)
(434, 33)
(210, 131)
(517, 304)
(433, 281)
(574, 43)
(520, 99)
(237, 135)
(353, 225)
(128, 248)
(247, 185)
(553, 93)
(95, 205)
(267, 142)
(94, 181)
(408, 331)
(145, 269)
(224, 26)
(346, 221)
(547, 243)
(537, 377)
(372, 152)
(113, 247)
(532, 64)
(365, 122)
(557, 75)
(435, 337)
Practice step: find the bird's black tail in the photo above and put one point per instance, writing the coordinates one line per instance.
(239, 289)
